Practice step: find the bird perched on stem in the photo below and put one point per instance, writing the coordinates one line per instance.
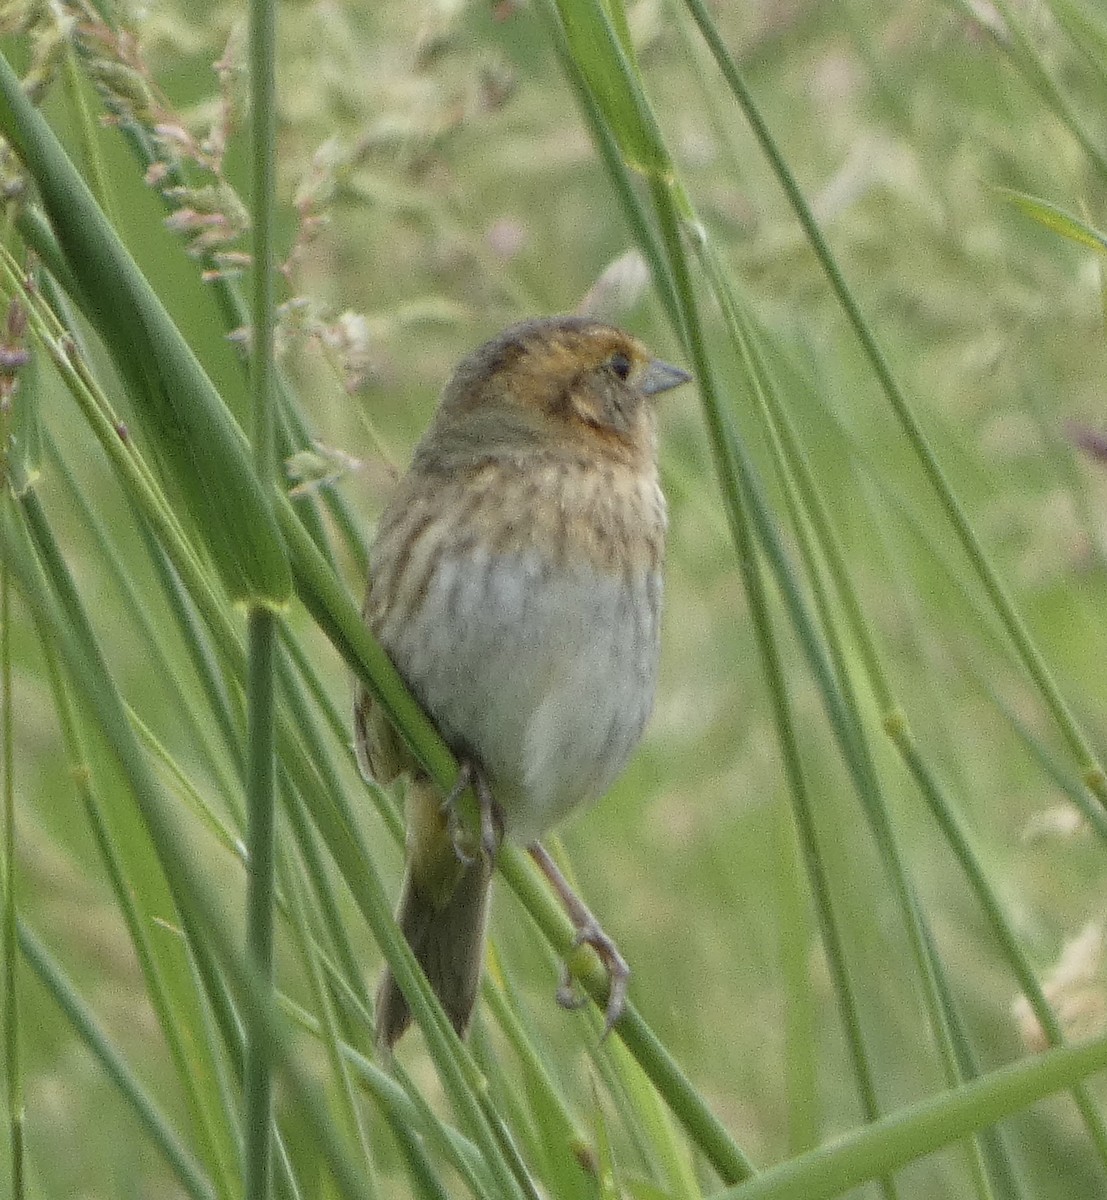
(516, 585)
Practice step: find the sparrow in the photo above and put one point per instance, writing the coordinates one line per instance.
(516, 584)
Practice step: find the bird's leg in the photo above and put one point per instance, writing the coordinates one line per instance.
(589, 933)
(450, 806)
(491, 819)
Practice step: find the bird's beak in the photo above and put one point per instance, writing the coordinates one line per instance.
(661, 376)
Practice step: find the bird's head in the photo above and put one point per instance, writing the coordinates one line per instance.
(565, 383)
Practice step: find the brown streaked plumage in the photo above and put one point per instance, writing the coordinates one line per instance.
(516, 584)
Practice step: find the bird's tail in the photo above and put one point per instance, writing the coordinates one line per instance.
(447, 937)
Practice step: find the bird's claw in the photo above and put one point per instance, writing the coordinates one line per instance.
(491, 820)
(618, 974)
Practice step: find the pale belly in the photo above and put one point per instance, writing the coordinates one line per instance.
(545, 676)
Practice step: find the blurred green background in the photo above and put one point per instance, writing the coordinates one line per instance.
(437, 183)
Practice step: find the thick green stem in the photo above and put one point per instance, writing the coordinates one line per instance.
(260, 814)
(896, 1140)
(262, 622)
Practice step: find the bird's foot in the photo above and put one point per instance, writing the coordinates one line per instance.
(589, 933)
(491, 819)
(618, 974)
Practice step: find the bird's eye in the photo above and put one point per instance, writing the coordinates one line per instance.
(620, 364)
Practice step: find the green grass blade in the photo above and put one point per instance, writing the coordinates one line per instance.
(152, 1120)
(557, 1142)
(924, 1128)
(259, 899)
(262, 623)
(310, 955)
(1055, 218)
(196, 438)
(602, 58)
(671, 1156)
